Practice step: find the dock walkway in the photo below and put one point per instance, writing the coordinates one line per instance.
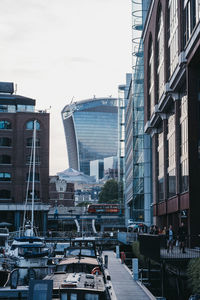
(123, 285)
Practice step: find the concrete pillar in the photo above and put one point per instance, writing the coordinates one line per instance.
(135, 268)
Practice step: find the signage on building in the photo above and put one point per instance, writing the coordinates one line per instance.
(184, 214)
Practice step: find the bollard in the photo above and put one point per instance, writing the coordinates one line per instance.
(117, 252)
(135, 268)
(106, 261)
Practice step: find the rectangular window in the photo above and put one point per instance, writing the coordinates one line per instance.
(184, 144)
(171, 170)
(160, 151)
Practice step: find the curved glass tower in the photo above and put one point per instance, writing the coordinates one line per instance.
(91, 131)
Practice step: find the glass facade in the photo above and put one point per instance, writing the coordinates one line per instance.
(138, 196)
(91, 132)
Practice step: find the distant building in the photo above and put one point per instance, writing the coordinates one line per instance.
(17, 115)
(90, 131)
(97, 169)
(60, 192)
(111, 167)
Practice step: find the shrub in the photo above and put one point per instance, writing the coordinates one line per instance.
(193, 274)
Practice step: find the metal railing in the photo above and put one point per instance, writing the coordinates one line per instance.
(157, 247)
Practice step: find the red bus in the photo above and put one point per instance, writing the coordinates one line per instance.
(104, 208)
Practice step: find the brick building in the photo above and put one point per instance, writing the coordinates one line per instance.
(60, 192)
(172, 110)
(17, 115)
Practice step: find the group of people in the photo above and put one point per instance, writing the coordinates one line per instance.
(172, 238)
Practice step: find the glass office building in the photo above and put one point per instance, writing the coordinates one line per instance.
(91, 131)
(138, 192)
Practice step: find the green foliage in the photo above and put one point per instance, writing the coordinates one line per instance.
(83, 204)
(193, 272)
(109, 192)
(136, 253)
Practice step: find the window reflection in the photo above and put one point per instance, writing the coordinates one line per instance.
(30, 125)
(171, 170)
(160, 151)
(184, 144)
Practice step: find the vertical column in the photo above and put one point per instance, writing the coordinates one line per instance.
(147, 180)
(154, 136)
(177, 139)
(165, 121)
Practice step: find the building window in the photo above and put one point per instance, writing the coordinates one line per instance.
(5, 194)
(5, 159)
(37, 159)
(160, 151)
(61, 196)
(36, 194)
(184, 144)
(30, 125)
(29, 142)
(160, 54)
(151, 79)
(5, 176)
(171, 170)
(37, 177)
(173, 35)
(5, 124)
(5, 142)
(192, 16)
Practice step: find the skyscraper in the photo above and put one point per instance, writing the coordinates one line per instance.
(91, 131)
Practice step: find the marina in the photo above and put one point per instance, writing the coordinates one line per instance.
(83, 272)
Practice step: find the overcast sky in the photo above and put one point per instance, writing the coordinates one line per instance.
(55, 50)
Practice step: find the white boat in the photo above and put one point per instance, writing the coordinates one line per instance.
(28, 251)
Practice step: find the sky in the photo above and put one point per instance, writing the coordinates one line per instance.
(59, 50)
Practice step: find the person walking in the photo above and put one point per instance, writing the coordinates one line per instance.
(182, 235)
(170, 238)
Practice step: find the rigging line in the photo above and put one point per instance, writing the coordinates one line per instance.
(33, 179)
(27, 187)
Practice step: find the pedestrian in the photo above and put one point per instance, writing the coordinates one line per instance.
(170, 239)
(182, 235)
(123, 257)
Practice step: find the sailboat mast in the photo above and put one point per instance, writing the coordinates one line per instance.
(33, 177)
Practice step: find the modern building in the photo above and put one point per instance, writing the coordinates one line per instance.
(97, 169)
(17, 116)
(61, 192)
(138, 196)
(124, 92)
(91, 131)
(172, 110)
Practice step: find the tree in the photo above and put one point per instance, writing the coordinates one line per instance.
(109, 192)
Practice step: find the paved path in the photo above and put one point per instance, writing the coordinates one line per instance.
(125, 288)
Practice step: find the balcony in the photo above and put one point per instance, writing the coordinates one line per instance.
(154, 247)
